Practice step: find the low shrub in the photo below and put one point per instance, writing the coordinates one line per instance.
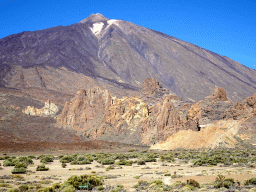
(76, 181)
(176, 176)
(63, 165)
(5, 185)
(8, 163)
(251, 181)
(23, 188)
(106, 161)
(132, 150)
(67, 159)
(124, 162)
(156, 182)
(20, 164)
(13, 190)
(56, 186)
(68, 188)
(220, 181)
(100, 188)
(46, 158)
(32, 156)
(141, 185)
(193, 183)
(141, 162)
(18, 170)
(42, 168)
(110, 167)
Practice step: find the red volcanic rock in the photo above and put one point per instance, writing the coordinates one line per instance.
(87, 105)
(168, 119)
(134, 120)
(99, 116)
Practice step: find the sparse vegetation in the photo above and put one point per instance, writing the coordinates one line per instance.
(42, 168)
(175, 158)
(18, 170)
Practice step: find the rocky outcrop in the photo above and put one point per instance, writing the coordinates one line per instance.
(83, 110)
(245, 109)
(50, 109)
(212, 108)
(149, 86)
(147, 119)
(219, 94)
(214, 135)
(97, 115)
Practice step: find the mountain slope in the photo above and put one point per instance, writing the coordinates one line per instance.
(120, 55)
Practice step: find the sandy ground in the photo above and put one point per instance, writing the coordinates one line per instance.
(125, 176)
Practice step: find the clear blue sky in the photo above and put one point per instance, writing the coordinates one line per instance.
(227, 27)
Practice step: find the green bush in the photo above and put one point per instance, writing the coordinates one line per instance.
(157, 182)
(106, 161)
(220, 178)
(100, 188)
(63, 165)
(68, 188)
(23, 188)
(7, 157)
(32, 156)
(251, 181)
(176, 176)
(148, 158)
(76, 162)
(124, 162)
(141, 185)
(110, 167)
(18, 170)
(56, 186)
(8, 163)
(67, 159)
(13, 190)
(77, 181)
(193, 183)
(220, 181)
(132, 150)
(5, 185)
(226, 184)
(42, 168)
(46, 158)
(141, 162)
(20, 164)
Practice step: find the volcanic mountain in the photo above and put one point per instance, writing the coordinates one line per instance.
(117, 55)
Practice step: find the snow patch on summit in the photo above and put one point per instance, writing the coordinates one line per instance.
(96, 29)
(111, 21)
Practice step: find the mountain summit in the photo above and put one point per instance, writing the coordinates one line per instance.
(94, 18)
(117, 55)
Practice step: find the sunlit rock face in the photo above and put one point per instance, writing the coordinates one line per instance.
(214, 135)
(211, 109)
(50, 109)
(98, 115)
(244, 109)
(139, 120)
